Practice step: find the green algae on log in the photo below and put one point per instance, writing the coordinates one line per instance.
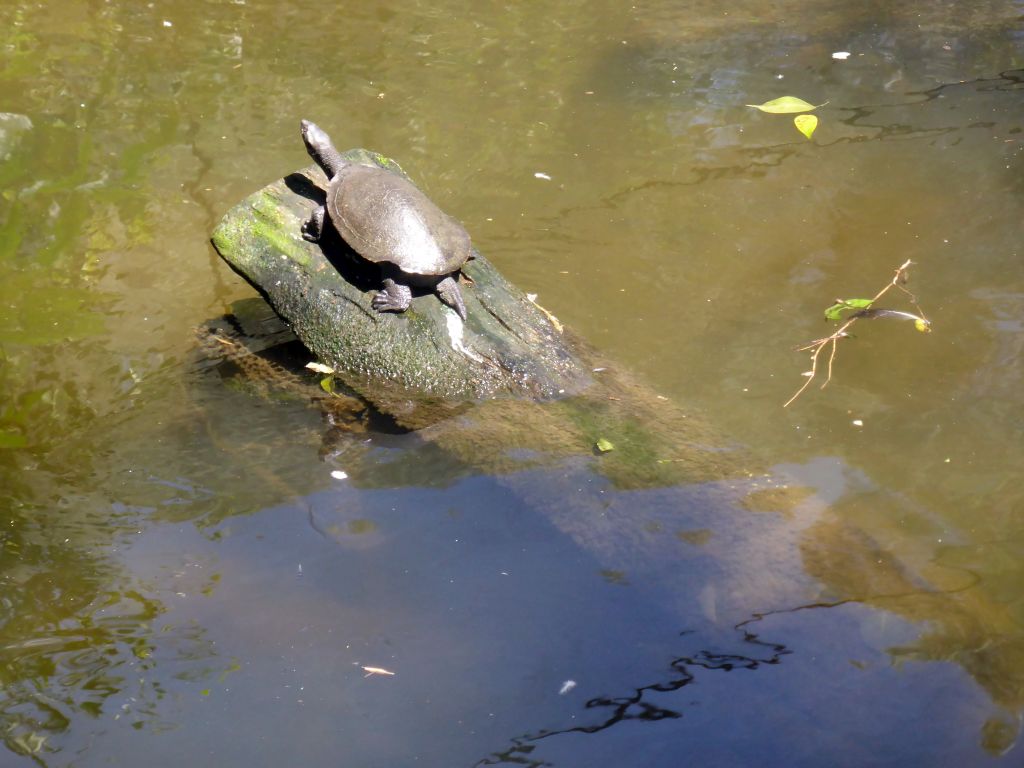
(413, 361)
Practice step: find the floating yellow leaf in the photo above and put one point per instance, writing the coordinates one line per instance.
(604, 446)
(786, 105)
(923, 325)
(806, 124)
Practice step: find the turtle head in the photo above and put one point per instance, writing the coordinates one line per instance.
(320, 148)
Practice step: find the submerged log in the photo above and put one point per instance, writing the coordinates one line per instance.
(416, 361)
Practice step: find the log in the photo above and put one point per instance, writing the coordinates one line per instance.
(413, 363)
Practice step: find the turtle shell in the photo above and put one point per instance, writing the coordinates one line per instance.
(385, 218)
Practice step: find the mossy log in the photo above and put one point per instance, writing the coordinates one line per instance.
(413, 361)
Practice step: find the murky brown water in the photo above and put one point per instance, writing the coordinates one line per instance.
(182, 581)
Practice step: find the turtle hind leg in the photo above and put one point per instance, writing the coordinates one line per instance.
(448, 291)
(313, 229)
(394, 298)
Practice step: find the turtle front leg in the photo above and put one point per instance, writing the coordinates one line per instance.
(314, 228)
(394, 298)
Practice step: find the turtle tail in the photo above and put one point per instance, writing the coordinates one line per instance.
(320, 148)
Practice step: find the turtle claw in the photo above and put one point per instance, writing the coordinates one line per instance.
(394, 297)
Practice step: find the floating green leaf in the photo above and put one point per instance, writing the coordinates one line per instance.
(836, 310)
(806, 124)
(604, 446)
(786, 105)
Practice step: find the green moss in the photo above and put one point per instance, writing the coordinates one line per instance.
(245, 233)
(388, 164)
(270, 230)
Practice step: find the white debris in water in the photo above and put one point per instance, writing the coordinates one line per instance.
(541, 175)
(339, 475)
(167, 23)
(841, 55)
(857, 423)
(567, 686)
(12, 125)
(320, 367)
(377, 671)
(455, 332)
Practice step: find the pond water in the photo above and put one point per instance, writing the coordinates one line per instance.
(183, 581)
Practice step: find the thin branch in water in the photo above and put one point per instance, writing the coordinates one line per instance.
(865, 312)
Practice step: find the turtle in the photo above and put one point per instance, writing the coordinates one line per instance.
(388, 221)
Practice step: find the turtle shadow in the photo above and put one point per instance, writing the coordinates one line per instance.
(356, 271)
(302, 185)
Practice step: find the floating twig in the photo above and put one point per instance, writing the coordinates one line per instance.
(864, 311)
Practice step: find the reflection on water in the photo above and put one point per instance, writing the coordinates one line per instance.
(184, 578)
(636, 706)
